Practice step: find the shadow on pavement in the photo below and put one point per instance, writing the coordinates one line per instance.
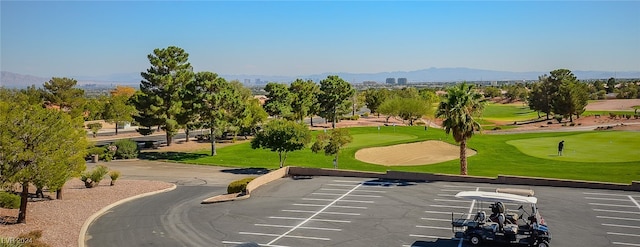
(247, 171)
(175, 156)
(437, 243)
(386, 183)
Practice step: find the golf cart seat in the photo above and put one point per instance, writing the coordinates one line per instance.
(481, 217)
(511, 228)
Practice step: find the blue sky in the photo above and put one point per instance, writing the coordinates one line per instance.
(65, 38)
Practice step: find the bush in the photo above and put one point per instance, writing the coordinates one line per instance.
(355, 117)
(558, 118)
(145, 131)
(94, 127)
(239, 185)
(96, 150)
(9, 200)
(114, 175)
(31, 239)
(93, 177)
(127, 149)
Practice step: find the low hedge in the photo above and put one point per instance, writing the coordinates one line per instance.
(9, 200)
(239, 185)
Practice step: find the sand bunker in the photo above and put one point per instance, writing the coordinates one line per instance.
(420, 153)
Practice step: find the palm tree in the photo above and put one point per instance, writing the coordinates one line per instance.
(459, 107)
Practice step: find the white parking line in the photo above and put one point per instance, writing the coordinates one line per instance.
(446, 195)
(308, 205)
(611, 205)
(614, 211)
(333, 194)
(315, 214)
(435, 219)
(428, 236)
(434, 227)
(348, 181)
(306, 211)
(328, 200)
(334, 206)
(626, 244)
(302, 227)
(606, 199)
(266, 245)
(281, 236)
(616, 218)
(623, 234)
(447, 206)
(363, 190)
(473, 203)
(450, 190)
(449, 200)
(624, 226)
(602, 194)
(298, 218)
(437, 212)
(634, 202)
(340, 185)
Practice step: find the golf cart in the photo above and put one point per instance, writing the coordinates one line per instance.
(520, 226)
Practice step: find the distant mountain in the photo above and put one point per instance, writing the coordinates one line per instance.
(13, 80)
(438, 75)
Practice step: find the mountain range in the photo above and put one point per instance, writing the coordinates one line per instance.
(14, 80)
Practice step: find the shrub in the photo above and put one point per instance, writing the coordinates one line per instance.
(9, 200)
(558, 118)
(572, 124)
(145, 131)
(127, 149)
(93, 177)
(239, 185)
(31, 239)
(114, 175)
(96, 150)
(94, 127)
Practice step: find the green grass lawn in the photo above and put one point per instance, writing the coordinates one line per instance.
(604, 147)
(609, 156)
(508, 112)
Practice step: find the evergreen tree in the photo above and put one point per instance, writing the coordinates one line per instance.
(159, 100)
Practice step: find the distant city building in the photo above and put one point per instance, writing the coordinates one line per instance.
(391, 80)
(247, 81)
(402, 81)
(258, 81)
(369, 83)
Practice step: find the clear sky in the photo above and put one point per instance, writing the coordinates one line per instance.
(64, 38)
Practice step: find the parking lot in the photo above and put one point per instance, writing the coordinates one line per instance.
(334, 211)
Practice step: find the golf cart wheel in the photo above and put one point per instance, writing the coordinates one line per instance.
(475, 240)
(543, 243)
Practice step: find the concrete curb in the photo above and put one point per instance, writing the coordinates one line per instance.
(87, 223)
(225, 198)
(251, 186)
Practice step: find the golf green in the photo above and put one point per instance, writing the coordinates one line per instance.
(606, 146)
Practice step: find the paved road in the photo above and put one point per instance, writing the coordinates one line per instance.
(330, 211)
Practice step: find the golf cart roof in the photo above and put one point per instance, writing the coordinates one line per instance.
(495, 197)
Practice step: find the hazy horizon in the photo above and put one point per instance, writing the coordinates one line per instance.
(293, 38)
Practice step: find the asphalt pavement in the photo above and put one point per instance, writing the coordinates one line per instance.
(335, 211)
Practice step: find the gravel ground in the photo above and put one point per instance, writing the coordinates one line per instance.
(61, 220)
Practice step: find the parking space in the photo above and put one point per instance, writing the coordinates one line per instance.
(618, 214)
(333, 211)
